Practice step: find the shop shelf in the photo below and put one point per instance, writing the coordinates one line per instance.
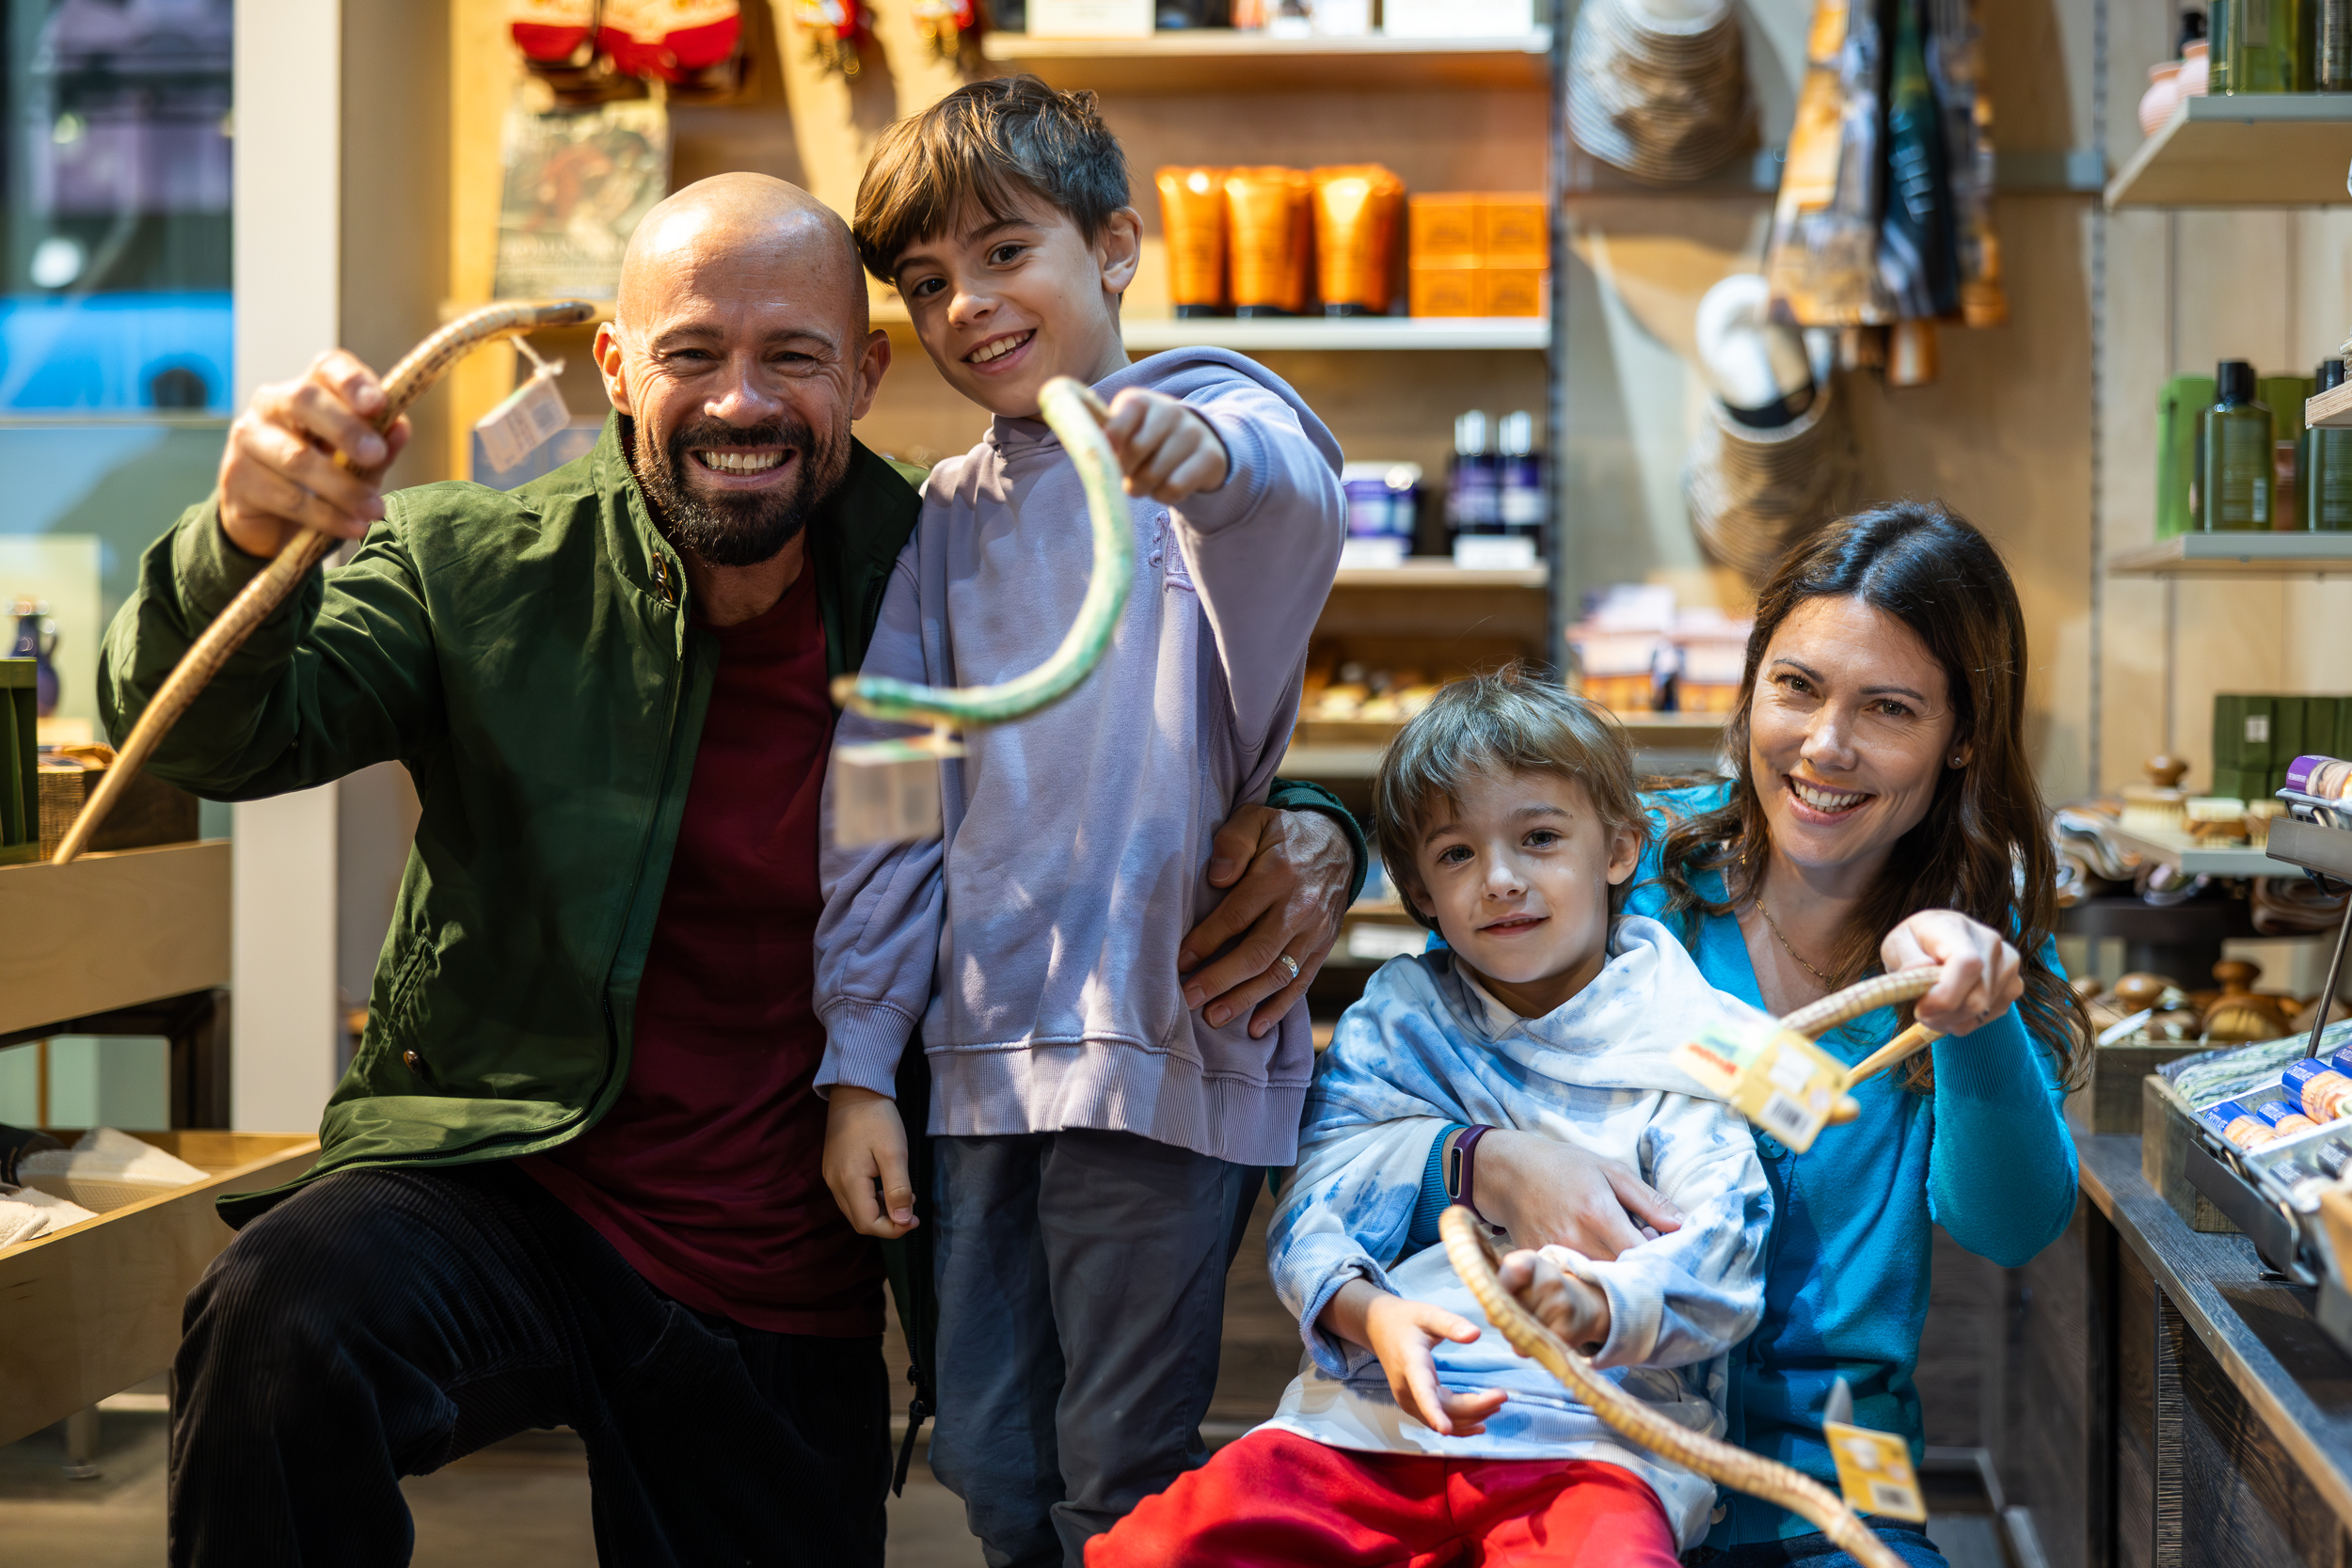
(1436, 571)
(92, 1310)
(1308, 334)
(112, 930)
(2195, 859)
(1220, 61)
(2249, 150)
(1673, 736)
(2238, 555)
(2331, 409)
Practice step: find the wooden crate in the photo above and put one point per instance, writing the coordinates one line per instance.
(2167, 1126)
(111, 931)
(92, 1310)
(2114, 1097)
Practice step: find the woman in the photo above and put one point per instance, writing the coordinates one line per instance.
(1882, 812)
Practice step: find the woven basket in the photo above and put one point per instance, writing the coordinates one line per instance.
(1664, 100)
(1753, 493)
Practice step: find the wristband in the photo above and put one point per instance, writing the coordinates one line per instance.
(1462, 1168)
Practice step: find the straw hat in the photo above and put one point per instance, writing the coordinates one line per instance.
(1657, 88)
(1752, 493)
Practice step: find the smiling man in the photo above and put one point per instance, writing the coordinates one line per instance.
(572, 1177)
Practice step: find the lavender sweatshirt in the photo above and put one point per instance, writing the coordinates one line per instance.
(1034, 945)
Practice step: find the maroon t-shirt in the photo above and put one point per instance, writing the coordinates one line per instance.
(705, 1174)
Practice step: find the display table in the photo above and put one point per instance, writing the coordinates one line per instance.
(2173, 1400)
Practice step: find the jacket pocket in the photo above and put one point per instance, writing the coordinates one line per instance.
(396, 1029)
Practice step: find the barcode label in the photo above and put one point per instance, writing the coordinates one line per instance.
(1785, 1116)
(514, 429)
(1901, 1501)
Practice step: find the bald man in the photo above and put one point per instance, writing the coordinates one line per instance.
(572, 1177)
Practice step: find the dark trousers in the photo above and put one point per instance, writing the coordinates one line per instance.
(381, 1324)
(1081, 1301)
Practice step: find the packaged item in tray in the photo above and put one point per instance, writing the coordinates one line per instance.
(2284, 1117)
(2322, 1086)
(2237, 1125)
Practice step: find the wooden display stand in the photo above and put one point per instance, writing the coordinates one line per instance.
(92, 1310)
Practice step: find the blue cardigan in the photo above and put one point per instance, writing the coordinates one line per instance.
(1847, 1275)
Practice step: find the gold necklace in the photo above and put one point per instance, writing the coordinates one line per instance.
(1827, 984)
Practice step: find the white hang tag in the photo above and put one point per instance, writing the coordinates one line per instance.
(1775, 1077)
(887, 791)
(526, 420)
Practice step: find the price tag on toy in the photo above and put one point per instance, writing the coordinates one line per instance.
(1874, 1471)
(887, 791)
(518, 426)
(1775, 1077)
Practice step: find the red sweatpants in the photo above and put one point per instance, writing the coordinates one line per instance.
(1273, 1498)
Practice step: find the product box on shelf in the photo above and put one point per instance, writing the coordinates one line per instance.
(1472, 253)
(19, 790)
(1450, 19)
(1091, 18)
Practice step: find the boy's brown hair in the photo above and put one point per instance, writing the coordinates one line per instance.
(986, 145)
(1511, 722)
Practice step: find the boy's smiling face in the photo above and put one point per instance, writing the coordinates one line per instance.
(1003, 306)
(1516, 874)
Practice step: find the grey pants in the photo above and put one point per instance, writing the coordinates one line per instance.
(1081, 1300)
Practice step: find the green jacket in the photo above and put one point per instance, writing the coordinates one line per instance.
(531, 658)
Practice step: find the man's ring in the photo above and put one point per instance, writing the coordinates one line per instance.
(1288, 962)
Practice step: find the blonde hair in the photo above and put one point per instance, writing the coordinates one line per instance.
(1510, 721)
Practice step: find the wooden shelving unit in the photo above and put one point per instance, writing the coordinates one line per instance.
(111, 931)
(2248, 150)
(1439, 572)
(2196, 860)
(2238, 555)
(1219, 61)
(1309, 335)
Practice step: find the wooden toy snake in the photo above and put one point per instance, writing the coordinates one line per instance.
(1076, 416)
(408, 381)
(1475, 1260)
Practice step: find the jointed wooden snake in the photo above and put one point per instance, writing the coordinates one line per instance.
(1475, 1260)
(408, 381)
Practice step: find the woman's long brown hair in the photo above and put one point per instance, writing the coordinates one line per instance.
(1983, 847)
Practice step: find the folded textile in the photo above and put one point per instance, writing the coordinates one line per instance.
(106, 1155)
(27, 1213)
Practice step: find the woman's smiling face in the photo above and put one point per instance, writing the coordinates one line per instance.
(1851, 727)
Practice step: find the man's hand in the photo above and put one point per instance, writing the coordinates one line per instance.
(1981, 973)
(1167, 451)
(1402, 1334)
(280, 471)
(1547, 1193)
(1288, 872)
(866, 1163)
(1564, 1304)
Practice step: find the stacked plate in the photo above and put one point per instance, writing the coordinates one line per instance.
(1657, 88)
(1753, 493)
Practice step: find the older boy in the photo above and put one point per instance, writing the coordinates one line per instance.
(1507, 813)
(1099, 1139)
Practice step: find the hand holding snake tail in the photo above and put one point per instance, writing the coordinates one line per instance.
(1474, 1259)
(408, 381)
(1076, 416)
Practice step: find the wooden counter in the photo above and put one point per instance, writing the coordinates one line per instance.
(2207, 1418)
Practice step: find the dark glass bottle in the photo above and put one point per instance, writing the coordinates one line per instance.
(2326, 467)
(1474, 483)
(2235, 460)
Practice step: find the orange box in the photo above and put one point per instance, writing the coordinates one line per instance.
(1514, 230)
(1444, 229)
(1510, 291)
(1444, 291)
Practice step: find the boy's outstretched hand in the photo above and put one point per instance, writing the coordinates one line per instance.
(1402, 1334)
(865, 1162)
(1576, 1311)
(1167, 449)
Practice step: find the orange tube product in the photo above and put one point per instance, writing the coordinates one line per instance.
(2285, 1117)
(1192, 222)
(1268, 226)
(1357, 209)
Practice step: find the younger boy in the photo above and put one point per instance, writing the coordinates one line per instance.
(1507, 816)
(1098, 1140)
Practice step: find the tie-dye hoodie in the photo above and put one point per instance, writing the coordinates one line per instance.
(1429, 1046)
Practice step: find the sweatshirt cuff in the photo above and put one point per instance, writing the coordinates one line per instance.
(864, 1042)
(1333, 1356)
(1248, 475)
(210, 570)
(1992, 1066)
(1636, 1316)
(1432, 1202)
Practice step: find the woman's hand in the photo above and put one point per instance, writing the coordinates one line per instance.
(1288, 872)
(1547, 1193)
(1576, 1311)
(1981, 975)
(1402, 1334)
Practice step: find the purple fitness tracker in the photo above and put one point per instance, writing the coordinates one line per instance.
(1462, 1167)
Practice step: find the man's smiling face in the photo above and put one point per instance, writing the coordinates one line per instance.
(741, 350)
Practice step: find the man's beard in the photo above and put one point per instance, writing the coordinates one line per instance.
(721, 528)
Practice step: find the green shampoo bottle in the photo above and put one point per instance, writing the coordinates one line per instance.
(2326, 467)
(2235, 471)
